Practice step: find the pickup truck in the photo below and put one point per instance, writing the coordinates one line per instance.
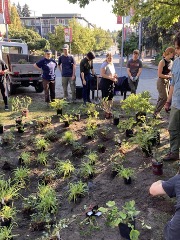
(20, 64)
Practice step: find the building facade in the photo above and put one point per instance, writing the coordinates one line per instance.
(47, 23)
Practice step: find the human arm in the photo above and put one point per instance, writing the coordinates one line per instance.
(139, 72)
(83, 79)
(35, 65)
(157, 189)
(169, 99)
(82, 70)
(129, 73)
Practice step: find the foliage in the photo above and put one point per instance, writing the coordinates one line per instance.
(26, 157)
(42, 158)
(86, 169)
(41, 144)
(21, 174)
(114, 216)
(15, 20)
(126, 124)
(7, 212)
(58, 104)
(8, 190)
(92, 157)
(125, 172)
(8, 137)
(51, 135)
(6, 233)
(76, 190)
(67, 118)
(21, 103)
(68, 137)
(65, 168)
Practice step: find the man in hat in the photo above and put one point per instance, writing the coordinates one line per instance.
(86, 68)
(134, 69)
(48, 67)
(67, 67)
(3, 71)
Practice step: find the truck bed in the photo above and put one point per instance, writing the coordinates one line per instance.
(24, 69)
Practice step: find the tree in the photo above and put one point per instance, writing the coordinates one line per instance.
(25, 11)
(15, 19)
(19, 9)
(163, 13)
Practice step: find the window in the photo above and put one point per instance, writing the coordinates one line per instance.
(9, 49)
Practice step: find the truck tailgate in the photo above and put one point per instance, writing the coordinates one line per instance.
(24, 69)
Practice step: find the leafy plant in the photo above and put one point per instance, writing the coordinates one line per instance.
(68, 137)
(67, 118)
(76, 190)
(42, 158)
(8, 137)
(65, 168)
(86, 169)
(126, 124)
(42, 121)
(6, 233)
(105, 133)
(8, 190)
(92, 157)
(58, 104)
(7, 213)
(21, 103)
(21, 174)
(125, 172)
(25, 158)
(41, 144)
(51, 135)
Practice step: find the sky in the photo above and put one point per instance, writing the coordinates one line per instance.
(97, 12)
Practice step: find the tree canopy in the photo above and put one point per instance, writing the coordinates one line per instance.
(163, 13)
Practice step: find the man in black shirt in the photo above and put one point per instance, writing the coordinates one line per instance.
(86, 65)
(3, 70)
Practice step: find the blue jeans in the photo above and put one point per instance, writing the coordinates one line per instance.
(86, 88)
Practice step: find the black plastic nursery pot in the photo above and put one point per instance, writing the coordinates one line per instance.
(102, 149)
(18, 121)
(115, 121)
(1, 129)
(157, 167)
(127, 180)
(125, 230)
(114, 173)
(156, 140)
(6, 222)
(59, 111)
(6, 166)
(129, 132)
(20, 129)
(147, 151)
(66, 124)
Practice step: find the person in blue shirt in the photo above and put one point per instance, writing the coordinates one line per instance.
(173, 102)
(67, 67)
(48, 67)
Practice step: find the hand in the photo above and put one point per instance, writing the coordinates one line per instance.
(136, 78)
(73, 77)
(131, 78)
(1, 72)
(167, 106)
(84, 82)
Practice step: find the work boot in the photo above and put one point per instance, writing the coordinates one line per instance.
(171, 157)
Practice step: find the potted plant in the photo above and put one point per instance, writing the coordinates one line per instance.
(127, 126)
(7, 214)
(157, 162)
(21, 104)
(124, 218)
(115, 118)
(48, 176)
(77, 190)
(87, 170)
(42, 158)
(78, 149)
(41, 144)
(58, 105)
(101, 148)
(51, 135)
(67, 119)
(126, 174)
(8, 138)
(21, 175)
(92, 157)
(65, 168)
(105, 133)
(68, 137)
(42, 122)
(25, 158)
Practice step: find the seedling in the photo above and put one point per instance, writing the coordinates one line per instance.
(7, 213)
(125, 172)
(65, 168)
(21, 174)
(69, 137)
(41, 144)
(77, 190)
(92, 157)
(87, 170)
(51, 135)
(25, 158)
(58, 104)
(8, 137)
(42, 158)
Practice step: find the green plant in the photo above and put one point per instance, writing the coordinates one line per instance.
(41, 144)
(42, 121)
(21, 174)
(7, 213)
(68, 137)
(65, 168)
(48, 175)
(125, 172)
(21, 103)
(25, 157)
(42, 158)
(51, 135)
(58, 104)
(126, 124)
(157, 155)
(90, 132)
(6, 233)
(8, 190)
(22, 61)
(67, 118)
(86, 169)
(105, 133)
(114, 216)
(76, 190)
(92, 157)
(8, 137)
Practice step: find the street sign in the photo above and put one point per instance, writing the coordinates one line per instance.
(119, 19)
(68, 35)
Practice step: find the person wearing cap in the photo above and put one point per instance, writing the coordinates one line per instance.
(48, 67)
(134, 69)
(67, 67)
(86, 68)
(3, 71)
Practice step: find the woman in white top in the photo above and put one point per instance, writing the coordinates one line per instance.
(109, 77)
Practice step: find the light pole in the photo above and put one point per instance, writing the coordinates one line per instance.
(122, 47)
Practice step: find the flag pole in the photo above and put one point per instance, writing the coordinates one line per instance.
(122, 47)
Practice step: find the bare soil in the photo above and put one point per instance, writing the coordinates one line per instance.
(155, 211)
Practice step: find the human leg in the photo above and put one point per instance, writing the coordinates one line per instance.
(73, 89)
(4, 94)
(52, 90)
(65, 81)
(46, 90)
(132, 86)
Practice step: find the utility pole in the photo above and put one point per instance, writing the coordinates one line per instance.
(122, 47)
(140, 38)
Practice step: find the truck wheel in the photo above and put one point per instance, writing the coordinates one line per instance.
(12, 89)
(39, 87)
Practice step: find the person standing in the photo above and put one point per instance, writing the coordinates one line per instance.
(134, 69)
(86, 68)
(3, 71)
(67, 67)
(109, 77)
(171, 188)
(48, 67)
(164, 76)
(173, 102)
